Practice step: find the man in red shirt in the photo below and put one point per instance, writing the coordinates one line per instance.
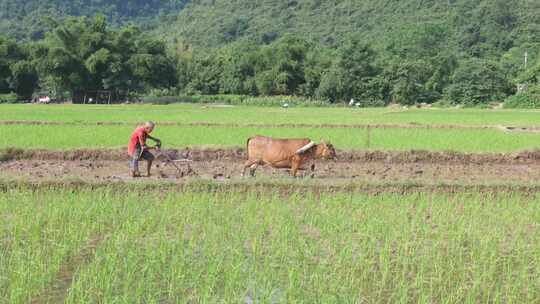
(137, 148)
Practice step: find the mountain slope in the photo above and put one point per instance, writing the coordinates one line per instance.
(30, 18)
(478, 27)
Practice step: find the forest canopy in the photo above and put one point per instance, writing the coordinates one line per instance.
(29, 19)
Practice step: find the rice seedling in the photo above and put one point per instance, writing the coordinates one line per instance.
(61, 137)
(189, 113)
(263, 246)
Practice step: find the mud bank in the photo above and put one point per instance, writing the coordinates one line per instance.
(534, 129)
(273, 187)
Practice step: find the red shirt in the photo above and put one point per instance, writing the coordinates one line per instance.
(138, 136)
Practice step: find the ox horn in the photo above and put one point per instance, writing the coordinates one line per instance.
(305, 148)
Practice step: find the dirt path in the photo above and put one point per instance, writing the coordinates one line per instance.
(420, 167)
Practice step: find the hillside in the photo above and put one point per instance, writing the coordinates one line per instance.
(478, 27)
(459, 51)
(30, 18)
(470, 52)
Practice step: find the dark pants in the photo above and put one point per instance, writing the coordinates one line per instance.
(137, 155)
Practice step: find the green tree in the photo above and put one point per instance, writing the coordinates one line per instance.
(6, 48)
(478, 81)
(85, 55)
(206, 76)
(283, 69)
(17, 73)
(24, 79)
(331, 86)
(409, 82)
(351, 73)
(238, 63)
(150, 64)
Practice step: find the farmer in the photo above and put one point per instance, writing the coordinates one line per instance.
(138, 149)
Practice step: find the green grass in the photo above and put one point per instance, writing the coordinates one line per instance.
(70, 137)
(453, 139)
(188, 113)
(231, 247)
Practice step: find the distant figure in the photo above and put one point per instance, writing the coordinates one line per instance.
(351, 103)
(44, 99)
(137, 148)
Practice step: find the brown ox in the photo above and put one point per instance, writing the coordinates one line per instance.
(284, 153)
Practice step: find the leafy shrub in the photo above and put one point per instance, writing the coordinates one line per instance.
(226, 99)
(526, 100)
(164, 100)
(237, 100)
(8, 98)
(443, 103)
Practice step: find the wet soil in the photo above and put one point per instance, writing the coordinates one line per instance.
(239, 155)
(227, 167)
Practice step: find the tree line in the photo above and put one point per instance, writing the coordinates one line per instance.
(354, 70)
(87, 54)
